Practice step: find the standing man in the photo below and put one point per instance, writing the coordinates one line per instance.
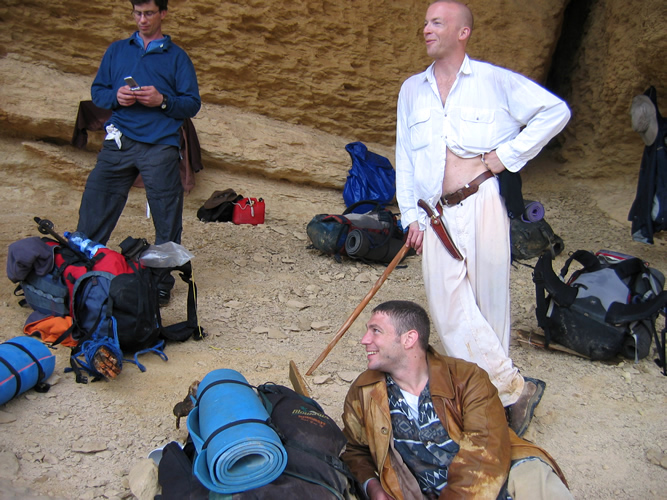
(421, 425)
(143, 132)
(460, 123)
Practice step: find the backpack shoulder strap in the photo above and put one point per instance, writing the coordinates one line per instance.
(585, 258)
(376, 206)
(662, 347)
(627, 313)
(190, 327)
(561, 292)
(547, 283)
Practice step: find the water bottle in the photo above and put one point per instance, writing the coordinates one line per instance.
(75, 240)
(92, 247)
(81, 242)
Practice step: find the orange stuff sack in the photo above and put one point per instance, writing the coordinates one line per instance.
(50, 329)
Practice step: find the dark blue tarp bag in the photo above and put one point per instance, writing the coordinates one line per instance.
(372, 177)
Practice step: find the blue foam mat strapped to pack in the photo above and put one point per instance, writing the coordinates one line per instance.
(236, 449)
(24, 363)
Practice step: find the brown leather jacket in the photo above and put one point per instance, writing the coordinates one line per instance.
(468, 406)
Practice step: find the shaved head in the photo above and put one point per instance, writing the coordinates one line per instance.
(465, 14)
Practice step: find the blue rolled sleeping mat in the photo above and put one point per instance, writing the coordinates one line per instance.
(25, 362)
(236, 450)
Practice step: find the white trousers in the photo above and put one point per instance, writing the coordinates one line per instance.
(469, 300)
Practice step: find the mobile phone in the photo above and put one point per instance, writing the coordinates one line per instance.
(133, 85)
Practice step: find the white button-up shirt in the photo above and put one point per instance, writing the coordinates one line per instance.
(488, 108)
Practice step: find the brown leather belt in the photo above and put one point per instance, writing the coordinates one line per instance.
(458, 196)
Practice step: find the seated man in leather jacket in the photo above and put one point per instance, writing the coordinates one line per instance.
(422, 425)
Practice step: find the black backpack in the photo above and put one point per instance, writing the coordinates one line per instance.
(313, 443)
(122, 307)
(373, 236)
(608, 307)
(531, 239)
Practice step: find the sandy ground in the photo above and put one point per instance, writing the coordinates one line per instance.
(261, 291)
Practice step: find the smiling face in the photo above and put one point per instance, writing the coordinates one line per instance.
(446, 30)
(384, 349)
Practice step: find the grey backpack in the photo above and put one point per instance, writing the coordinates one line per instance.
(608, 307)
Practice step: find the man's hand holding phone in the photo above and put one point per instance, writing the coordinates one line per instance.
(133, 92)
(148, 96)
(125, 95)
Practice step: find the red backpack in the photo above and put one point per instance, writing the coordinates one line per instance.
(109, 292)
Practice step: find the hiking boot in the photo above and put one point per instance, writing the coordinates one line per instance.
(106, 363)
(164, 296)
(521, 413)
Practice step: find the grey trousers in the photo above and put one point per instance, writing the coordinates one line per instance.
(110, 181)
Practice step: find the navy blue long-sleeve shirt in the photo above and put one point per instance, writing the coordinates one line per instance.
(165, 66)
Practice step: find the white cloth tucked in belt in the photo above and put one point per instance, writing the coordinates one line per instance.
(113, 133)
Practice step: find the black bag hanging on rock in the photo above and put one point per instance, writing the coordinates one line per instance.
(608, 307)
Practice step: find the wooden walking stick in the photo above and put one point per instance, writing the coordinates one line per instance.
(360, 307)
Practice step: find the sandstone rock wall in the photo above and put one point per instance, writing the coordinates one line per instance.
(622, 53)
(333, 65)
(337, 66)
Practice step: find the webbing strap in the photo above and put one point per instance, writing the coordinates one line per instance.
(16, 374)
(232, 424)
(40, 386)
(157, 349)
(219, 382)
(192, 321)
(40, 370)
(661, 347)
(191, 327)
(63, 336)
(585, 258)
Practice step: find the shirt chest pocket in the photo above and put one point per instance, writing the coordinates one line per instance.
(478, 128)
(420, 128)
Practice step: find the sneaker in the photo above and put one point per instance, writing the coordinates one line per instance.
(164, 296)
(521, 413)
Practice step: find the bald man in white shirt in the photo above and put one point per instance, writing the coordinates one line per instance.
(459, 124)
